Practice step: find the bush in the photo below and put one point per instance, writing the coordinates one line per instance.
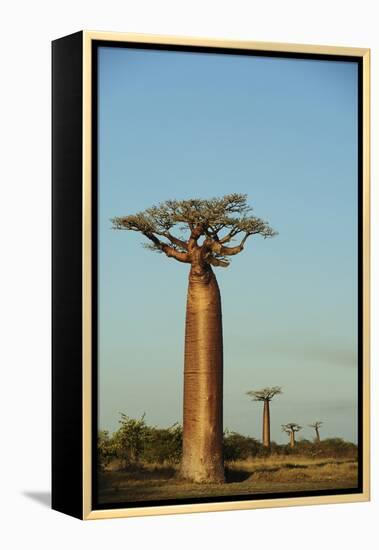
(239, 447)
(127, 442)
(336, 447)
(163, 445)
(136, 443)
(106, 449)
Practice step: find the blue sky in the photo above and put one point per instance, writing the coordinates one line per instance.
(284, 131)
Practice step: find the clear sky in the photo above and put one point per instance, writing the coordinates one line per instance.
(194, 125)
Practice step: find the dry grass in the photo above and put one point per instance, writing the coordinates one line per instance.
(282, 469)
(275, 474)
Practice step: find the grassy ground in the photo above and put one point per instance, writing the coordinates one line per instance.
(261, 475)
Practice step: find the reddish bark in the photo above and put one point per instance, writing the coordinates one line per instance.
(203, 379)
(266, 424)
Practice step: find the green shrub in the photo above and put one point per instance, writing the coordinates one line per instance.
(106, 449)
(163, 444)
(240, 447)
(136, 443)
(130, 439)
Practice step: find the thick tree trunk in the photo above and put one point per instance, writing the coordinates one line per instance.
(292, 439)
(266, 423)
(318, 436)
(203, 381)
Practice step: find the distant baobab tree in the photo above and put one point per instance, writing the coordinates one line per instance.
(266, 396)
(316, 426)
(207, 226)
(291, 429)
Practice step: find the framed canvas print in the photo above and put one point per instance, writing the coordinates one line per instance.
(210, 275)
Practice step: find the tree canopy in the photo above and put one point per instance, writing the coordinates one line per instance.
(316, 425)
(175, 228)
(266, 394)
(291, 427)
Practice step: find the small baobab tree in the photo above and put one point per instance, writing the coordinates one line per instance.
(265, 395)
(291, 429)
(316, 426)
(207, 226)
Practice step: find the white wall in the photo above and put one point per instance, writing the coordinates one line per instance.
(27, 28)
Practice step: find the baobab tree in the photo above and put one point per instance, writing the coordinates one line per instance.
(316, 426)
(207, 226)
(265, 395)
(291, 429)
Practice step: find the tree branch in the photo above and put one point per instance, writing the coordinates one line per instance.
(266, 394)
(230, 236)
(168, 250)
(217, 262)
(204, 218)
(196, 231)
(218, 248)
(291, 427)
(176, 241)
